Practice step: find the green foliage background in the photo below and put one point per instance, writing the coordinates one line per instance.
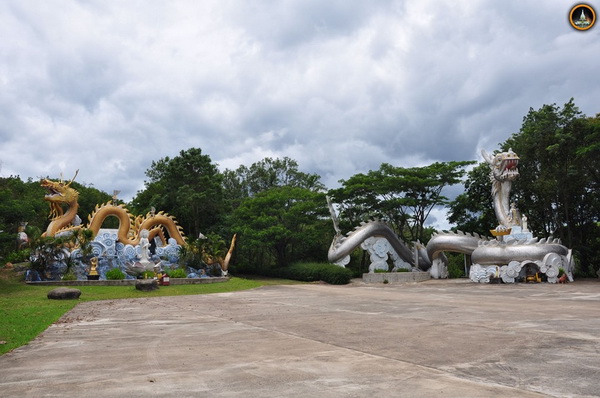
(281, 217)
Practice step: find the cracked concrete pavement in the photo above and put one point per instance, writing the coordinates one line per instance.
(448, 338)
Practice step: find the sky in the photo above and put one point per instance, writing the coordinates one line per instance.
(106, 87)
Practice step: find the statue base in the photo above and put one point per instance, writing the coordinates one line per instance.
(517, 234)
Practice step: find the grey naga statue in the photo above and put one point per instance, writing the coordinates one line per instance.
(511, 255)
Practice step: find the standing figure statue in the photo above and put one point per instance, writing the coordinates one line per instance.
(144, 246)
(22, 238)
(515, 217)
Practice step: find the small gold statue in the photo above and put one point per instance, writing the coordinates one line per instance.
(94, 264)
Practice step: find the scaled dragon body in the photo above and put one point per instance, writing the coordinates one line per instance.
(502, 257)
(127, 247)
(62, 194)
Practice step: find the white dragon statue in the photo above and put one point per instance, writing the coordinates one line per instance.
(502, 257)
(503, 171)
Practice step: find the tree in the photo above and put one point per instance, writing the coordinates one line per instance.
(89, 197)
(19, 202)
(281, 224)
(558, 180)
(404, 197)
(278, 212)
(188, 187)
(473, 210)
(263, 175)
(557, 187)
(588, 150)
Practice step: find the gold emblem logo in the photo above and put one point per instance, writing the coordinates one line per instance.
(582, 17)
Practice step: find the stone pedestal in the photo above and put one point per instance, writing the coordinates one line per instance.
(146, 285)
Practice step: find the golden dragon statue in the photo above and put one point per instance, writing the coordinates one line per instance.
(61, 194)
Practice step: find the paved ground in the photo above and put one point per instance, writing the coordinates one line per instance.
(435, 338)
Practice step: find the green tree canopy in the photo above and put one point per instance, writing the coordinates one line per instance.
(473, 210)
(558, 182)
(282, 224)
(404, 197)
(557, 187)
(263, 175)
(188, 187)
(278, 212)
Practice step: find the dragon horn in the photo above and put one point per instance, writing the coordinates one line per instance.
(487, 157)
(73, 179)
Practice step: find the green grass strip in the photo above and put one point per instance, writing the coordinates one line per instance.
(25, 310)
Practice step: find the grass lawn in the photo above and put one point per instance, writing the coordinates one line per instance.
(25, 311)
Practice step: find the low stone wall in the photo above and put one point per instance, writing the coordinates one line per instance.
(396, 277)
(129, 282)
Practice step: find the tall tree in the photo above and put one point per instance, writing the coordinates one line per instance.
(281, 225)
(473, 210)
(559, 166)
(558, 176)
(265, 174)
(89, 197)
(404, 197)
(278, 212)
(188, 187)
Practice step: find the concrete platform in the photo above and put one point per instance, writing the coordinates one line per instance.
(395, 277)
(434, 338)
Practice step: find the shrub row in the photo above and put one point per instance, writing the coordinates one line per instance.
(311, 272)
(176, 273)
(115, 274)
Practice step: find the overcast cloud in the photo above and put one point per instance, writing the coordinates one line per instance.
(107, 87)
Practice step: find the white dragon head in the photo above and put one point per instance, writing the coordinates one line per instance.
(503, 165)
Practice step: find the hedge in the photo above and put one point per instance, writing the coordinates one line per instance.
(311, 272)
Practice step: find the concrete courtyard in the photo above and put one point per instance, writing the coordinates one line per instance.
(436, 338)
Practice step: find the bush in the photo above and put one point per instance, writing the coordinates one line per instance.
(190, 255)
(176, 273)
(148, 275)
(115, 274)
(383, 271)
(456, 265)
(359, 263)
(310, 272)
(18, 256)
(245, 268)
(69, 276)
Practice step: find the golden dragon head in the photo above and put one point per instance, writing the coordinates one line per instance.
(59, 193)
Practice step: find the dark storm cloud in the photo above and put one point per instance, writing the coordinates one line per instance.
(341, 86)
